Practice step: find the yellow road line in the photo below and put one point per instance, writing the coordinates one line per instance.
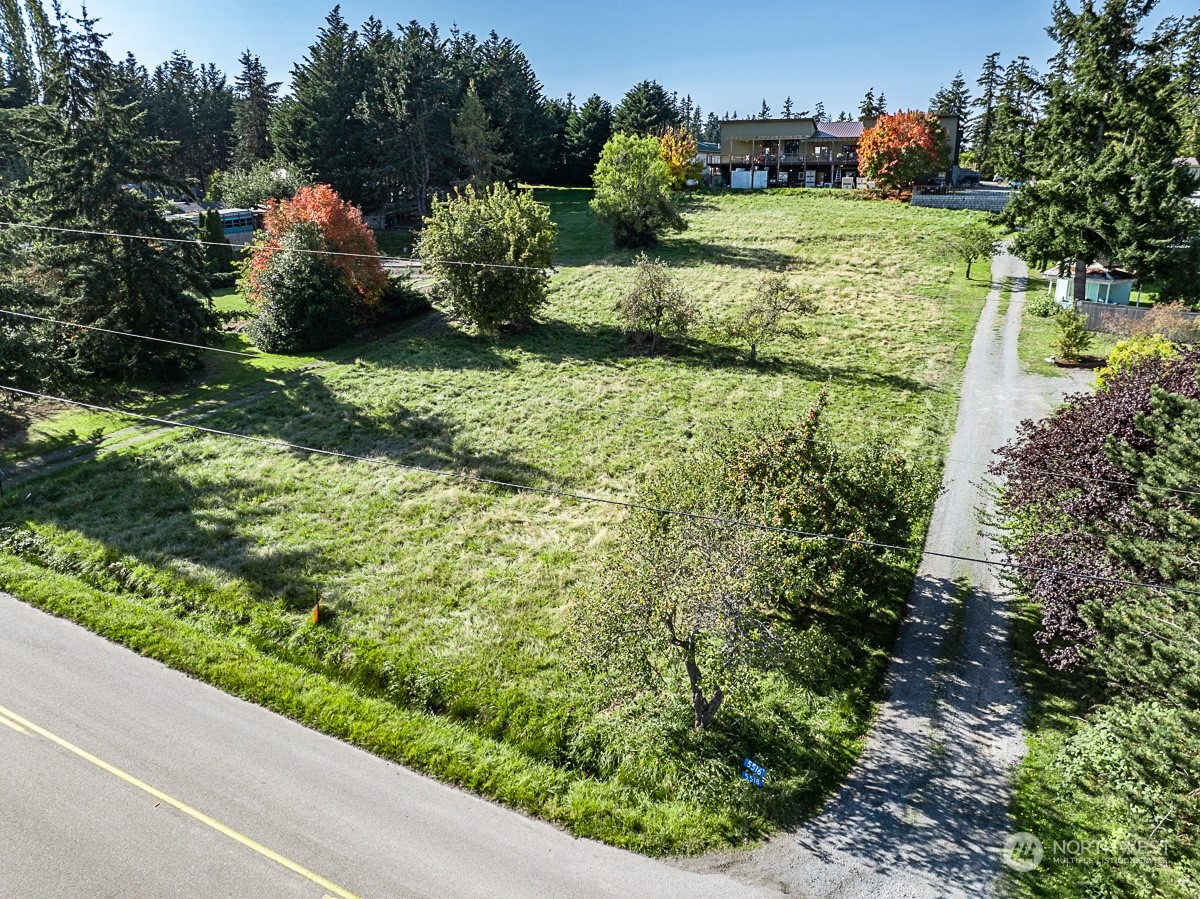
(13, 725)
(331, 887)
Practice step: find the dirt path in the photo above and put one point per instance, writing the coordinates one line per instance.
(924, 813)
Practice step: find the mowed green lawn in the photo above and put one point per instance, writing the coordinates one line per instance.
(444, 642)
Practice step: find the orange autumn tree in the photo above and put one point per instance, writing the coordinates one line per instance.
(901, 148)
(342, 227)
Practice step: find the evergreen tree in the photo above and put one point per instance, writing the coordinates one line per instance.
(1102, 157)
(20, 75)
(989, 83)
(217, 250)
(82, 149)
(192, 109)
(787, 108)
(587, 134)
(214, 119)
(645, 109)
(1148, 641)
(712, 129)
(1016, 115)
(315, 128)
(686, 108)
(512, 96)
(414, 113)
(561, 114)
(765, 111)
(254, 101)
(870, 106)
(954, 100)
(475, 142)
(1181, 40)
(819, 114)
(867, 106)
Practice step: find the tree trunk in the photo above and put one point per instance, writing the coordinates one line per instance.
(706, 709)
(753, 353)
(969, 261)
(1080, 282)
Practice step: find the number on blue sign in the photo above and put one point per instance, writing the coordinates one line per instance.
(754, 768)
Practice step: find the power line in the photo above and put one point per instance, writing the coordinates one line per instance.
(948, 459)
(194, 346)
(214, 243)
(587, 498)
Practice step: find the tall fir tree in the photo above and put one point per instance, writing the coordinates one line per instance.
(191, 108)
(871, 105)
(512, 96)
(315, 128)
(83, 148)
(254, 100)
(954, 100)
(587, 134)
(476, 142)
(980, 135)
(1104, 184)
(1181, 41)
(412, 118)
(1018, 108)
(645, 109)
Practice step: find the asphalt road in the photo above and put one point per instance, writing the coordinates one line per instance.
(80, 718)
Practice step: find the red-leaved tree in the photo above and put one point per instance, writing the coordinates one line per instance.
(902, 148)
(1064, 500)
(344, 231)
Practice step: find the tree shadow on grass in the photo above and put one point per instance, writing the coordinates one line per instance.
(562, 341)
(145, 505)
(688, 251)
(724, 356)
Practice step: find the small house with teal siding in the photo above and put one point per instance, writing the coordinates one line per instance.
(1104, 285)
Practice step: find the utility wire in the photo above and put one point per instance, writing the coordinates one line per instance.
(587, 498)
(214, 243)
(949, 459)
(194, 346)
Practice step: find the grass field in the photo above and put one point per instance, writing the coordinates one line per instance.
(1037, 338)
(444, 643)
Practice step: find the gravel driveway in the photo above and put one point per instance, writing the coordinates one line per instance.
(925, 811)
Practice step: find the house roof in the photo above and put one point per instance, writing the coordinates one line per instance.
(704, 146)
(1097, 272)
(844, 130)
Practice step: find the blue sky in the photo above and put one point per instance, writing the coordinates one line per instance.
(725, 58)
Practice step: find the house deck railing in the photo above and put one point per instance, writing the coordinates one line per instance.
(770, 160)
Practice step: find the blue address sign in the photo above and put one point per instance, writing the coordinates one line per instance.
(753, 772)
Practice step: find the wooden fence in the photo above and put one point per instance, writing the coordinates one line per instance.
(1097, 313)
